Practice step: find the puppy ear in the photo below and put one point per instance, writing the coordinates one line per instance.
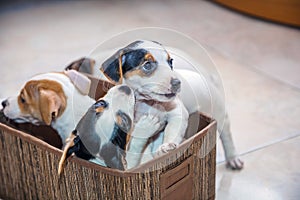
(123, 121)
(51, 105)
(112, 67)
(81, 82)
(85, 65)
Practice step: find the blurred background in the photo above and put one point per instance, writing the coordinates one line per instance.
(257, 59)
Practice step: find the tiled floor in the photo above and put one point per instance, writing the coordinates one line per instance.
(258, 62)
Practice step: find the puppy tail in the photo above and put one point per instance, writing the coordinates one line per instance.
(66, 152)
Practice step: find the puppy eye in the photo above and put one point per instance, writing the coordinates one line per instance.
(22, 100)
(101, 103)
(171, 63)
(147, 66)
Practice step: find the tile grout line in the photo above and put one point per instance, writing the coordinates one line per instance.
(274, 78)
(256, 69)
(265, 146)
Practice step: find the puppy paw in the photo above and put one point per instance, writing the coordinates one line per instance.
(165, 148)
(235, 163)
(146, 126)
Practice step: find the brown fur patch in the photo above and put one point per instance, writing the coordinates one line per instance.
(120, 70)
(135, 72)
(169, 57)
(99, 110)
(42, 99)
(149, 57)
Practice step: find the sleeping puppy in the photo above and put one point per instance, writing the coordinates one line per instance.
(147, 68)
(55, 99)
(101, 134)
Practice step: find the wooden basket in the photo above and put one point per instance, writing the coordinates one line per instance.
(28, 167)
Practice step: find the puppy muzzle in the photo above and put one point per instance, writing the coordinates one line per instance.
(4, 103)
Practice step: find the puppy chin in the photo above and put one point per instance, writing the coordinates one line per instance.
(15, 116)
(160, 97)
(21, 120)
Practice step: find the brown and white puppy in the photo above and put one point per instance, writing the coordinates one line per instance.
(147, 68)
(55, 99)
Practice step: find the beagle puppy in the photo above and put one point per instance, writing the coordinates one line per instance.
(101, 134)
(139, 68)
(57, 99)
(147, 68)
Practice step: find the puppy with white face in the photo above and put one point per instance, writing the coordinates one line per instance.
(173, 94)
(55, 99)
(101, 134)
(143, 70)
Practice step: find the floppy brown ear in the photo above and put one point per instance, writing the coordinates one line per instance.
(123, 121)
(112, 67)
(51, 105)
(85, 65)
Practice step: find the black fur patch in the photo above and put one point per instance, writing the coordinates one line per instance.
(79, 149)
(119, 137)
(110, 67)
(113, 152)
(125, 89)
(132, 59)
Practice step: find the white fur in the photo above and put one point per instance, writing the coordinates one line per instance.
(198, 93)
(117, 101)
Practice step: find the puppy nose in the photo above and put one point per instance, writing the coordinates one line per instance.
(4, 103)
(175, 85)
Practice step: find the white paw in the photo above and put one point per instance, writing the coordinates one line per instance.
(146, 126)
(165, 148)
(235, 163)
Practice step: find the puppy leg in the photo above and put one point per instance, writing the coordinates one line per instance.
(135, 151)
(145, 128)
(232, 159)
(177, 123)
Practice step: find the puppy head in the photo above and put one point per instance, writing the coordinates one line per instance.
(146, 67)
(40, 101)
(109, 114)
(116, 108)
(103, 129)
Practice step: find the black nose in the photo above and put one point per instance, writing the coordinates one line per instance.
(4, 103)
(175, 83)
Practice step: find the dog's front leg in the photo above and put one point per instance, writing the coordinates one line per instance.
(177, 122)
(145, 128)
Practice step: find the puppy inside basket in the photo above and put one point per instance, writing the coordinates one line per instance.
(109, 135)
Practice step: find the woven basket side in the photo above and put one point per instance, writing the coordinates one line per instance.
(28, 170)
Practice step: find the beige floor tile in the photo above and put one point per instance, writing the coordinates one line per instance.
(262, 110)
(271, 173)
